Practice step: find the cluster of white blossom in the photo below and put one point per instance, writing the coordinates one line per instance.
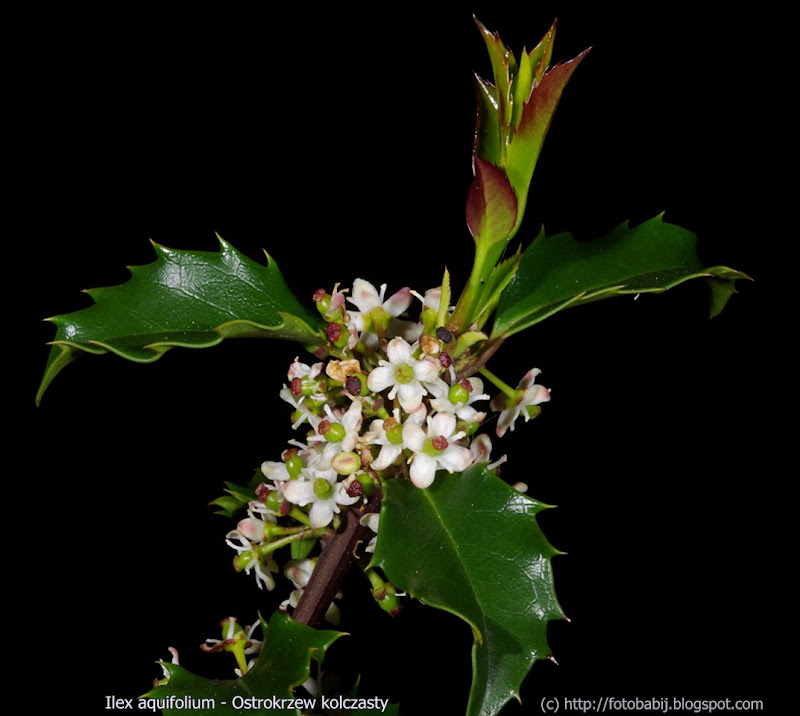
(383, 401)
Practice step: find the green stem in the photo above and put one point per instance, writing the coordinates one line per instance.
(298, 514)
(266, 549)
(506, 389)
(374, 579)
(471, 293)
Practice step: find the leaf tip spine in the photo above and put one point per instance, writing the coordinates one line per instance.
(224, 246)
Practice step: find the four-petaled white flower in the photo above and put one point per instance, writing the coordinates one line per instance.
(375, 315)
(263, 566)
(320, 489)
(528, 393)
(466, 393)
(436, 448)
(389, 435)
(408, 377)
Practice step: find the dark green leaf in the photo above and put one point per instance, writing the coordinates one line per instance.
(185, 298)
(470, 545)
(284, 664)
(557, 272)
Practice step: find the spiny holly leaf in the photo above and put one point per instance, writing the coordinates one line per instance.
(185, 298)
(470, 545)
(557, 272)
(284, 664)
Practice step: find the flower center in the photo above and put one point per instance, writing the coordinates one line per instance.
(322, 488)
(435, 446)
(404, 373)
(394, 431)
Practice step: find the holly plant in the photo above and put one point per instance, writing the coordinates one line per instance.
(397, 419)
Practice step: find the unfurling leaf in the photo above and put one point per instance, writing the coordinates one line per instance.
(193, 299)
(515, 112)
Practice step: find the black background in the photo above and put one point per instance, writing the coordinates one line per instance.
(339, 141)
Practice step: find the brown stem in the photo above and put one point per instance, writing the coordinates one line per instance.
(336, 557)
(474, 363)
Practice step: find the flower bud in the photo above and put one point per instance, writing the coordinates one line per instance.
(346, 463)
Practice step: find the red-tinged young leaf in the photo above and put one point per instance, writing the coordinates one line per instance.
(491, 205)
(527, 139)
(541, 55)
(504, 66)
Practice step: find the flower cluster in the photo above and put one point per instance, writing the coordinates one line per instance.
(383, 401)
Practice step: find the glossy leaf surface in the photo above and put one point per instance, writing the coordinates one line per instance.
(284, 664)
(470, 545)
(557, 272)
(193, 299)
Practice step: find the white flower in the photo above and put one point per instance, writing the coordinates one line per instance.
(392, 443)
(472, 387)
(252, 560)
(239, 641)
(435, 449)
(252, 526)
(322, 492)
(375, 316)
(528, 393)
(371, 521)
(405, 375)
(337, 434)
